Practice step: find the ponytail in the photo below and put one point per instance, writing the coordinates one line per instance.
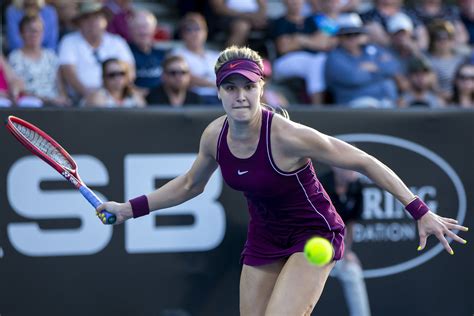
(276, 109)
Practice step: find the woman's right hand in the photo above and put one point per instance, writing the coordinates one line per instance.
(123, 211)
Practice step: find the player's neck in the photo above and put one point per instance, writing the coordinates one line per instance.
(243, 131)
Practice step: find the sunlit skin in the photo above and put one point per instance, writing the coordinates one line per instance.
(465, 85)
(241, 100)
(92, 27)
(115, 84)
(142, 29)
(32, 34)
(194, 36)
(176, 77)
(264, 290)
(465, 79)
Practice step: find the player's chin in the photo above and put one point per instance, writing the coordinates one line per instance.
(242, 113)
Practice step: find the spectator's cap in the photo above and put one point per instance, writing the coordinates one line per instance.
(244, 67)
(87, 8)
(399, 22)
(350, 23)
(418, 64)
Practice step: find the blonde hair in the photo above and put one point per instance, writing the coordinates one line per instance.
(19, 3)
(236, 52)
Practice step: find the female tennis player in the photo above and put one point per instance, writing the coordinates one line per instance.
(268, 157)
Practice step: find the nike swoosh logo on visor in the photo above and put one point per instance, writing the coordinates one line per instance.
(232, 66)
(242, 172)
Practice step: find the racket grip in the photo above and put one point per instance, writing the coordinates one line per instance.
(104, 216)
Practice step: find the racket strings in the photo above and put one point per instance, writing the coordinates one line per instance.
(44, 145)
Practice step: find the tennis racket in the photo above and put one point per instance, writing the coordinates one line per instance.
(46, 148)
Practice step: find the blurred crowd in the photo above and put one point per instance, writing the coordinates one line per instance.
(349, 53)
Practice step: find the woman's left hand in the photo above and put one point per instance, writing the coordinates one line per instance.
(433, 224)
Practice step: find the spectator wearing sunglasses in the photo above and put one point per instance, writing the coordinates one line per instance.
(372, 69)
(175, 81)
(463, 95)
(429, 11)
(81, 53)
(443, 55)
(117, 89)
(423, 86)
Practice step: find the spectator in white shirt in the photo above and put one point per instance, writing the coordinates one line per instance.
(37, 66)
(201, 60)
(81, 53)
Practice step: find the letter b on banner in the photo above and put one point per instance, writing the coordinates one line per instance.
(143, 236)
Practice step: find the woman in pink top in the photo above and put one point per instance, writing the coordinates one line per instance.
(269, 158)
(10, 84)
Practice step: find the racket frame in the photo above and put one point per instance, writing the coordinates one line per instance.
(69, 174)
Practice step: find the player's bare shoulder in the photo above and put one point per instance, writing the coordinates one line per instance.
(284, 130)
(292, 137)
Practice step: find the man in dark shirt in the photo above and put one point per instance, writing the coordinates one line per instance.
(147, 58)
(467, 16)
(174, 88)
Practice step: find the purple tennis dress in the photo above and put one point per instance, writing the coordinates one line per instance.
(286, 208)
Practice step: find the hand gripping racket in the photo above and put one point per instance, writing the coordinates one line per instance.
(46, 148)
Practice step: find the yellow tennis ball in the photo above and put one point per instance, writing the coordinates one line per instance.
(318, 251)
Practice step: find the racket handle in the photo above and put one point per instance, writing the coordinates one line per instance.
(104, 216)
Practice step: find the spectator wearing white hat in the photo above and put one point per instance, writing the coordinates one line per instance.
(372, 69)
(402, 41)
(403, 46)
(81, 53)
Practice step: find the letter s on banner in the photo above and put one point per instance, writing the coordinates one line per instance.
(143, 236)
(28, 200)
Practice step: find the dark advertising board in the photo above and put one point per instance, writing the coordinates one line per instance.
(57, 259)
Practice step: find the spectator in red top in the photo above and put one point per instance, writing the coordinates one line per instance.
(118, 13)
(10, 85)
(81, 53)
